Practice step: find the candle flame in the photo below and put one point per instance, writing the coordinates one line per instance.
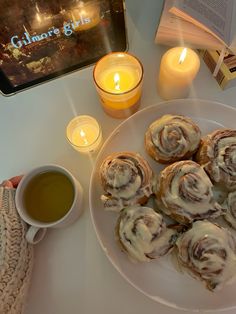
(83, 135)
(117, 81)
(38, 17)
(183, 55)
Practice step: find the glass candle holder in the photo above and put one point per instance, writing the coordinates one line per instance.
(84, 134)
(118, 78)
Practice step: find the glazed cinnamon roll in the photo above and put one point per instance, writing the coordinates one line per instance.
(127, 179)
(172, 138)
(184, 192)
(143, 235)
(207, 251)
(230, 205)
(217, 154)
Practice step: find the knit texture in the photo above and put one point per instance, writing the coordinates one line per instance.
(16, 256)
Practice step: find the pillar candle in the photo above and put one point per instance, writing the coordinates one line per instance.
(178, 68)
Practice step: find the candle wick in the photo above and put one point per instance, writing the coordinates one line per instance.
(117, 86)
(117, 81)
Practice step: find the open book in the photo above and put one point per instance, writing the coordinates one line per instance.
(209, 24)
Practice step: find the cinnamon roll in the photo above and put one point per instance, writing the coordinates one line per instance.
(230, 205)
(143, 234)
(217, 154)
(208, 252)
(172, 138)
(127, 179)
(184, 192)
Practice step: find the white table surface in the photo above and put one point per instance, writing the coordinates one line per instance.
(71, 272)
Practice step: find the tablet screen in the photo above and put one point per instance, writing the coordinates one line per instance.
(40, 40)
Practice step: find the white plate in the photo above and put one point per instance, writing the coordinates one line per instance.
(158, 279)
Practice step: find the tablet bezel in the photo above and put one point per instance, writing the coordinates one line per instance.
(8, 89)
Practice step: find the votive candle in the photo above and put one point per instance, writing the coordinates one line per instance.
(84, 134)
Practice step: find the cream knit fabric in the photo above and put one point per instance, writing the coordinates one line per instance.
(16, 256)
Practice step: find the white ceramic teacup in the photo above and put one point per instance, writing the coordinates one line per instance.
(37, 228)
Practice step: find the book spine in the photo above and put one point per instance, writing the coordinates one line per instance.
(211, 64)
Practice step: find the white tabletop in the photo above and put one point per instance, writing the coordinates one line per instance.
(71, 272)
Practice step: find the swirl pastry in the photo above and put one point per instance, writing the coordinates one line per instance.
(127, 179)
(217, 154)
(172, 138)
(184, 192)
(207, 251)
(143, 235)
(230, 205)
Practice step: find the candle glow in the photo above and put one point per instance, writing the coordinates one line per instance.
(38, 17)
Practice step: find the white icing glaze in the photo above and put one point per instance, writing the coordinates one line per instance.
(127, 191)
(209, 251)
(172, 141)
(221, 151)
(219, 162)
(230, 204)
(126, 178)
(112, 204)
(202, 190)
(119, 177)
(143, 233)
(189, 193)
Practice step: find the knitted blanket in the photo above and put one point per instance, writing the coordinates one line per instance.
(16, 256)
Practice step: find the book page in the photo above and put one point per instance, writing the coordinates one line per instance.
(173, 30)
(212, 15)
(233, 32)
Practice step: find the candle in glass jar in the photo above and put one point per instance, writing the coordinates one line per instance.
(118, 78)
(84, 134)
(178, 68)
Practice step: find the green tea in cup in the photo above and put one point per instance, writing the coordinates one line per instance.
(48, 196)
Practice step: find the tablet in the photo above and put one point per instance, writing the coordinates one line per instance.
(42, 40)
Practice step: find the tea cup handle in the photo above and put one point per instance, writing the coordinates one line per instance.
(35, 234)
